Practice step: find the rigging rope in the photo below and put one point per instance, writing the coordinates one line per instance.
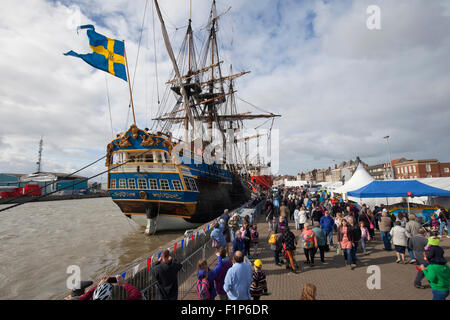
(47, 185)
(71, 185)
(109, 106)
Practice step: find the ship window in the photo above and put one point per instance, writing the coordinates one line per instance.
(131, 184)
(153, 184)
(177, 185)
(122, 183)
(193, 185)
(113, 184)
(142, 184)
(188, 185)
(164, 184)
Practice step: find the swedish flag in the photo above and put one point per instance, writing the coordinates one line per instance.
(108, 54)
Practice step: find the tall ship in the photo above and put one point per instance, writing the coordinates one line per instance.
(186, 169)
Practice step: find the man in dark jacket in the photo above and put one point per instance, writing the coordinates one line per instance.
(226, 231)
(165, 272)
(418, 243)
(356, 236)
(289, 241)
(316, 214)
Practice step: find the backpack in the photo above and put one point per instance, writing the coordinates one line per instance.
(203, 289)
(254, 235)
(273, 238)
(308, 240)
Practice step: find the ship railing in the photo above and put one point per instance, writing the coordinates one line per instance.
(146, 168)
(192, 252)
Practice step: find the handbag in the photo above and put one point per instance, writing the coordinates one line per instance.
(370, 221)
(338, 250)
(215, 243)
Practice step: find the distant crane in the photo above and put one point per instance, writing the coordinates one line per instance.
(40, 156)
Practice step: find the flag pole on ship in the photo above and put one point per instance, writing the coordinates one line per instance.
(129, 82)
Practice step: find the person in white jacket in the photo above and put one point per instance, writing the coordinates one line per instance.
(400, 241)
(302, 217)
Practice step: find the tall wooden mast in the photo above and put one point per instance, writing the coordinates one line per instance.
(177, 72)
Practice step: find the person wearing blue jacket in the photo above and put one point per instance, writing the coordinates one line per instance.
(204, 271)
(238, 243)
(238, 279)
(217, 234)
(327, 223)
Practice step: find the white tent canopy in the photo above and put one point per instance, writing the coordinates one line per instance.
(359, 179)
(441, 183)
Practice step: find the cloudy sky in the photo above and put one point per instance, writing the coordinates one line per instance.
(339, 86)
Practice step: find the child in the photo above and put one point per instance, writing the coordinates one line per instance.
(259, 284)
(435, 223)
(309, 292)
(436, 269)
(255, 239)
(365, 236)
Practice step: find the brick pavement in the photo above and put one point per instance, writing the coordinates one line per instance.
(333, 279)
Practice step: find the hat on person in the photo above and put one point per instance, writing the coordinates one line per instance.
(433, 241)
(258, 263)
(385, 210)
(83, 286)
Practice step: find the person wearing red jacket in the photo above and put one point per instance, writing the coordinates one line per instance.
(103, 291)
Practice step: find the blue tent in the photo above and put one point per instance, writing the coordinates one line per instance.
(397, 188)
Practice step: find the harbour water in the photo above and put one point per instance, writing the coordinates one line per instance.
(39, 241)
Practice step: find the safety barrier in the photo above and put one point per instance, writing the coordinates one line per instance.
(187, 251)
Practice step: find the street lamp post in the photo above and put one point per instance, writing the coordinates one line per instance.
(389, 155)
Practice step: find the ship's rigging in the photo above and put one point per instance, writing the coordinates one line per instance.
(205, 96)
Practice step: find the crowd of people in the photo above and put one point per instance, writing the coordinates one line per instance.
(318, 216)
(318, 219)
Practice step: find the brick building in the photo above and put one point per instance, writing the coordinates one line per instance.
(416, 169)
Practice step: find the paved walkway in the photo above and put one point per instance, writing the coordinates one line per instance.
(333, 279)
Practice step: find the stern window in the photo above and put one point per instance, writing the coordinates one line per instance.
(153, 184)
(142, 184)
(122, 183)
(164, 184)
(177, 185)
(131, 183)
(193, 185)
(112, 184)
(188, 185)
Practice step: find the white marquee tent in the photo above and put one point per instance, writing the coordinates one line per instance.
(359, 179)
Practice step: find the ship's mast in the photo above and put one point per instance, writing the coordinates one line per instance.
(202, 84)
(177, 73)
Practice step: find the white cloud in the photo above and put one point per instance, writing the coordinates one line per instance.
(338, 93)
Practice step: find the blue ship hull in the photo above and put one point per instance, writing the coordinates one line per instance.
(143, 179)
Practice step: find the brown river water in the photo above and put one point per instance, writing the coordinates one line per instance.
(39, 241)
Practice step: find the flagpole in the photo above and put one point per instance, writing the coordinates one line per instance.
(129, 82)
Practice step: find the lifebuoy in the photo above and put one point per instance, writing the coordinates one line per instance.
(143, 195)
